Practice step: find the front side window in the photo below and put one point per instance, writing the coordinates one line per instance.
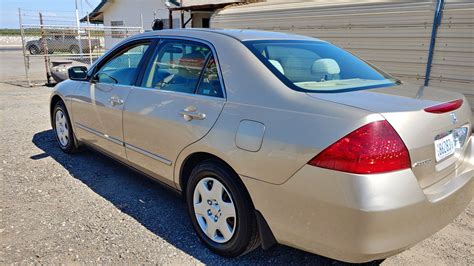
(313, 66)
(177, 66)
(122, 68)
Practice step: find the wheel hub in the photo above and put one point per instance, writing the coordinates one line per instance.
(214, 210)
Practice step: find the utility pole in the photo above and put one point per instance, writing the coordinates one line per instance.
(89, 37)
(78, 29)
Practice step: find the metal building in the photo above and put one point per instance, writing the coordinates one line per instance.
(394, 35)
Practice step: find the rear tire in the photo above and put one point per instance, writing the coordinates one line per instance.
(63, 129)
(34, 50)
(74, 49)
(218, 189)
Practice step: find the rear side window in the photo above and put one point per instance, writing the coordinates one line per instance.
(313, 66)
(210, 84)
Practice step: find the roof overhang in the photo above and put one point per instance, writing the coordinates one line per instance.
(202, 7)
(97, 15)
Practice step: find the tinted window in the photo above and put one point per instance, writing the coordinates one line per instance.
(314, 66)
(177, 66)
(122, 68)
(210, 84)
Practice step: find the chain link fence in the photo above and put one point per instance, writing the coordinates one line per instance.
(57, 42)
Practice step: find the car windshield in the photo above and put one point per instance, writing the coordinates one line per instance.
(316, 66)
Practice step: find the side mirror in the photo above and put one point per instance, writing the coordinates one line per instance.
(77, 73)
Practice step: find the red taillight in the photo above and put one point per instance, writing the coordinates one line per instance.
(445, 107)
(373, 148)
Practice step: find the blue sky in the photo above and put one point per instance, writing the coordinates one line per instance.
(55, 10)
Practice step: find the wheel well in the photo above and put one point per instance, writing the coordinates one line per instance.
(54, 101)
(264, 231)
(34, 45)
(193, 160)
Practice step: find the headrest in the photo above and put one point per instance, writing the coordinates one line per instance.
(326, 66)
(277, 65)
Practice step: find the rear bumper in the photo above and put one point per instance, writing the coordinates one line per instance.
(359, 218)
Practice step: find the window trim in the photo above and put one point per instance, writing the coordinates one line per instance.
(167, 38)
(289, 83)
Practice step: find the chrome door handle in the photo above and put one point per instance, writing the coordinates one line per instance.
(190, 113)
(115, 100)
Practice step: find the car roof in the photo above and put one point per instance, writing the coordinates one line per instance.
(241, 35)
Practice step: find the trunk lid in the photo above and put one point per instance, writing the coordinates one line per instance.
(404, 107)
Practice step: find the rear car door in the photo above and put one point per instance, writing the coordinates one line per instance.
(177, 102)
(99, 114)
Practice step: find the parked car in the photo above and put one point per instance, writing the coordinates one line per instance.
(62, 43)
(276, 138)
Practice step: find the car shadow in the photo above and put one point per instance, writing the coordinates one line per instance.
(154, 206)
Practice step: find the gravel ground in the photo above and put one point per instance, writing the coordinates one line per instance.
(86, 208)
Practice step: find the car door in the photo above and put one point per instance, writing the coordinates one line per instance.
(177, 102)
(98, 112)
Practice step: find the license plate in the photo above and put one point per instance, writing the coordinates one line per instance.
(444, 147)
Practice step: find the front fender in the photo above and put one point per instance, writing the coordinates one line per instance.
(65, 91)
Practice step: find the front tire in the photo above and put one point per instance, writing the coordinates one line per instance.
(63, 129)
(221, 210)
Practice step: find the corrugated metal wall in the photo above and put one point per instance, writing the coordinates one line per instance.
(394, 35)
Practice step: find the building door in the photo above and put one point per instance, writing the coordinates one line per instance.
(206, 22)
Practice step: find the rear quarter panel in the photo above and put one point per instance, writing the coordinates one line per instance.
(290, 139)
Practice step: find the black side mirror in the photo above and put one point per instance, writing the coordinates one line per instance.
(77, 73)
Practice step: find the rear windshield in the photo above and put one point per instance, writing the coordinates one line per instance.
(314, 66)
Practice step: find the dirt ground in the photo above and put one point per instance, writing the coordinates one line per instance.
(86, 208)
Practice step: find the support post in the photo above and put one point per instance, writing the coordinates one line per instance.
(190, 19)
(45, 50)
(170, 19)
(89, 38)
(182, 13)
(25, 60)
(436, 22)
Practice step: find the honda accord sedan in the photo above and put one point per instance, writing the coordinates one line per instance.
(276, 138)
